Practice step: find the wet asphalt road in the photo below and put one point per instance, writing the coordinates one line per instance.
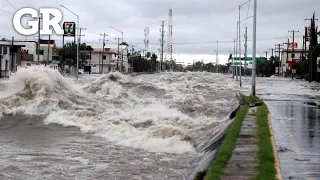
(294, 107)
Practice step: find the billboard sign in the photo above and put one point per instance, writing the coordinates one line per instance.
(295, 44)
(69, 29)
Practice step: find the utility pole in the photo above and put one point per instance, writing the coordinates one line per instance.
(245, 48)
(217, 63)
(118, 53)
(271, 51)
(240, 66)
(162, 44)
(279, 45)
(234, 53)
(266, 54)
(90, 59)
(313, 40)
(48, 49)
(39, 40)
(81, 35)
(12, 55)
(292, 55)
(237, 60)
(301, 55)
(132, 57)
(287, 43)
(306, 38)
(103, 44)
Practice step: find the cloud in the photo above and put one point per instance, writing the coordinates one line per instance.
(197, 24)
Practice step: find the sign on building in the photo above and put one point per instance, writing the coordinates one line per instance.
(295, 45)
(69, 29)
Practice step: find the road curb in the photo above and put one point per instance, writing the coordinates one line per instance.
(275, 152)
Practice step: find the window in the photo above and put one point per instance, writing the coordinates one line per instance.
(0, 49)
(104, 57)
(5, 50)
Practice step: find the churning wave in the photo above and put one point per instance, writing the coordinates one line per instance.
(169, 112)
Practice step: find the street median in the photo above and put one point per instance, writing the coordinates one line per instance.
(263, 162)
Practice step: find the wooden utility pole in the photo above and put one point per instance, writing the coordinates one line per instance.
(103, 44)
(118, 53)
(279, 68)
(292, 55)
(48, 50)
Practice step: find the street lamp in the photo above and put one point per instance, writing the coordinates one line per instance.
(78, 39)
(121, 43)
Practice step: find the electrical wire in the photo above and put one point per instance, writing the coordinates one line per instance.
(189, 43)
(248, 13)
(11, 4)
(92, 32)
(4, 11)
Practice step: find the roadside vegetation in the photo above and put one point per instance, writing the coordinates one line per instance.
(266, 167)
(266, 159)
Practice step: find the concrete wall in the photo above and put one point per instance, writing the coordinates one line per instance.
(7, 57)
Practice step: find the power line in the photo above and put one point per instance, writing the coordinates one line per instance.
(248, 13)
(93, 32)
(11, 5)
(4, 11)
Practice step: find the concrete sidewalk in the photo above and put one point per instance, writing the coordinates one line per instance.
(243, 162)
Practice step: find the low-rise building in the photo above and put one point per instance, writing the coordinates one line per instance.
(108, 60)
(101, 61)
(287, 59)
(10, 58)
(30, 48)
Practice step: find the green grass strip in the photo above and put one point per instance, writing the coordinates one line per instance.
(220, 162)
(266, 167)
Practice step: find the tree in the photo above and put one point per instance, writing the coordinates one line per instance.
(153, 62)
(69, 53)
(124, 44)
(148, 54)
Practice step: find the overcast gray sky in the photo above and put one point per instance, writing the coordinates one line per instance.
(197, 24)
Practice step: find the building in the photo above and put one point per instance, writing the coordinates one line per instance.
(48, 49)
(29, 51)
(10, 58)
(108, 60)
(286, 57)
(101, 61)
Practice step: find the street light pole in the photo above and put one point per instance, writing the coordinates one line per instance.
(78, 39)
(254, 47)
(121, 46)
(240, 67)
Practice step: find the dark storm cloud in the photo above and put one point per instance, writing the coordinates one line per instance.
(197, 24)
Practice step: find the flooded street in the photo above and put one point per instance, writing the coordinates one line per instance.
(142, 127)
(109, 126)
(295, 115)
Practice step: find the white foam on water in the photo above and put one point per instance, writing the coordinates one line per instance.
(166, 112)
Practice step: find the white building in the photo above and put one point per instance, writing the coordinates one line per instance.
(30, 50)
(10, 59)
(106, 61)
(101, 61)
(287, 56)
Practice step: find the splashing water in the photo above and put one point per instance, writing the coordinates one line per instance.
(169, 112)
